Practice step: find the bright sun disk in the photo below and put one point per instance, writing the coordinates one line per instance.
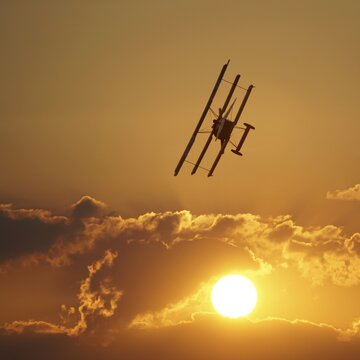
(234, 296)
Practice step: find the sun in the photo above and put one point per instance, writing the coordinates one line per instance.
(234, 296)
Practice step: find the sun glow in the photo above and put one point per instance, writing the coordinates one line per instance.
(234, 296)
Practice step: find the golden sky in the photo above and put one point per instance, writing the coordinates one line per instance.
(104, 253)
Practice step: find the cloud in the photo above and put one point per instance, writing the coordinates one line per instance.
(100, 302)
(208, 337)
(182, 312)
(352, 193)
(24, 231)
(319, 253)
(36, 235)
(87, 207)
(197, 306)
(169, 261)
(325, 253)
(353, 244)
(272, 339)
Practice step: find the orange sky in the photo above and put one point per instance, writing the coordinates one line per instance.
(99, 98)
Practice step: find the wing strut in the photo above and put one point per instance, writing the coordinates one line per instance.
(221, 112)
(202, 118)
(235, 122)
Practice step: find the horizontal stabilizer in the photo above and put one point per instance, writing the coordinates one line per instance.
(237, 152)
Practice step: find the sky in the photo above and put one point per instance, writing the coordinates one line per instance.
(104, 253)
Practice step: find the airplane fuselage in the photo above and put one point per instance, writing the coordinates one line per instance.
(222, 128)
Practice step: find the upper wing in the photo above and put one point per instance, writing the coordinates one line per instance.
(202, 118)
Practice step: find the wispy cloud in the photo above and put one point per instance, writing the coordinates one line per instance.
(352, 193)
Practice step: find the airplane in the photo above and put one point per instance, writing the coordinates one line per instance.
(222, 127)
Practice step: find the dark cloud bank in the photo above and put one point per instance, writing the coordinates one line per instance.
(203, 339)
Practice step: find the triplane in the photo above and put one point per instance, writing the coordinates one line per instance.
(222, 127)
